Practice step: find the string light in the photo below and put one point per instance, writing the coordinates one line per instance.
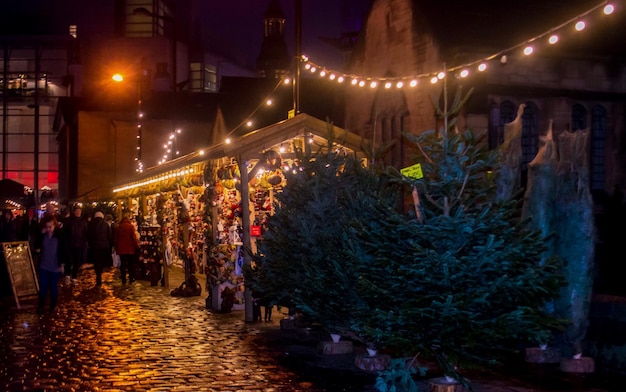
(158, 178)
(267, 102)
(139, 168)
(462, 70)
(170, 146)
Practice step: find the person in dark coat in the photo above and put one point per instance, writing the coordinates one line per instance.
(53, 254)
(76, 234)
(8, 233)
(99, 241)
(126, 246)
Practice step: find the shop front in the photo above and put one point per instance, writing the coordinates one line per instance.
(202, 211)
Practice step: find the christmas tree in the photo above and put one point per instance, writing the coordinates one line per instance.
(301, 261)
(461, 279)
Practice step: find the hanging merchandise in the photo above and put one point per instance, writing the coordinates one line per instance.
(168, 252)
(239, 261)
(150, 254)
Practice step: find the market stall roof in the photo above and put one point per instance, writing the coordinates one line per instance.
(11, 193)
(252, 145)
(303, 125)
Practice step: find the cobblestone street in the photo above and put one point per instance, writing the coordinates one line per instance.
(134, 338)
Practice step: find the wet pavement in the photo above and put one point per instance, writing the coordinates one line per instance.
(139, 338)
(134, 338)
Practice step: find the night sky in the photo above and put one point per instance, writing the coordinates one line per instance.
(236, 25)
(241, 23)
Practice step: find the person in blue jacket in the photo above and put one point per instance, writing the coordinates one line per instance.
(52, 257)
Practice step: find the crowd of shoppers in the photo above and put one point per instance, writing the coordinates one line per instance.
(64, 243)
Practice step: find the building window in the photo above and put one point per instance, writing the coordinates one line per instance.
(142, 25)
(579, 117)
(29, 151)
(598, 135)
(203, 77)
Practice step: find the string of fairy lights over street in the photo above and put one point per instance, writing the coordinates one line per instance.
(527, 48)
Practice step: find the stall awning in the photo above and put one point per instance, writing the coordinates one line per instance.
(248, 146)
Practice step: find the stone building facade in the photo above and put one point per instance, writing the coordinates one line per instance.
(579, 83)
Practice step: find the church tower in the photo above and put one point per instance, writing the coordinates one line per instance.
(273, 60)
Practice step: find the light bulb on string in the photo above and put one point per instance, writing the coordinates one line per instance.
(482, 67)
(580, 25)
(553, 39)
(373, 84)
(388, 85)
(399, 84)
(528, 50)
(608, 9)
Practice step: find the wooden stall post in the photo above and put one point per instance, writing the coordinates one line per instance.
(166, 275)
(245, 222)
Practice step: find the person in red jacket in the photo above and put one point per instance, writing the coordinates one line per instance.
(126, 246)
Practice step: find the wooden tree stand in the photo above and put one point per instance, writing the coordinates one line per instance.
(372, 363)
(441, 384)
(581, 365)
(539, 355)
(330, 347)
(287, 323)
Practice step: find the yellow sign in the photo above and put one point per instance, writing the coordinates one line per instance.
(414, 171)
(291, 113)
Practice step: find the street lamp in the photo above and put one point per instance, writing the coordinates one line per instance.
(145, 12)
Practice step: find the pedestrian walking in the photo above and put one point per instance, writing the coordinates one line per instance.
(76, 234)
(99, 241)
(127, 247)
(53, 254)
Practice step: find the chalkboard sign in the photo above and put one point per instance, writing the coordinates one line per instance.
(22, 272)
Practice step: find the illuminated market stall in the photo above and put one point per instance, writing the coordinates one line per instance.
(193, 207)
